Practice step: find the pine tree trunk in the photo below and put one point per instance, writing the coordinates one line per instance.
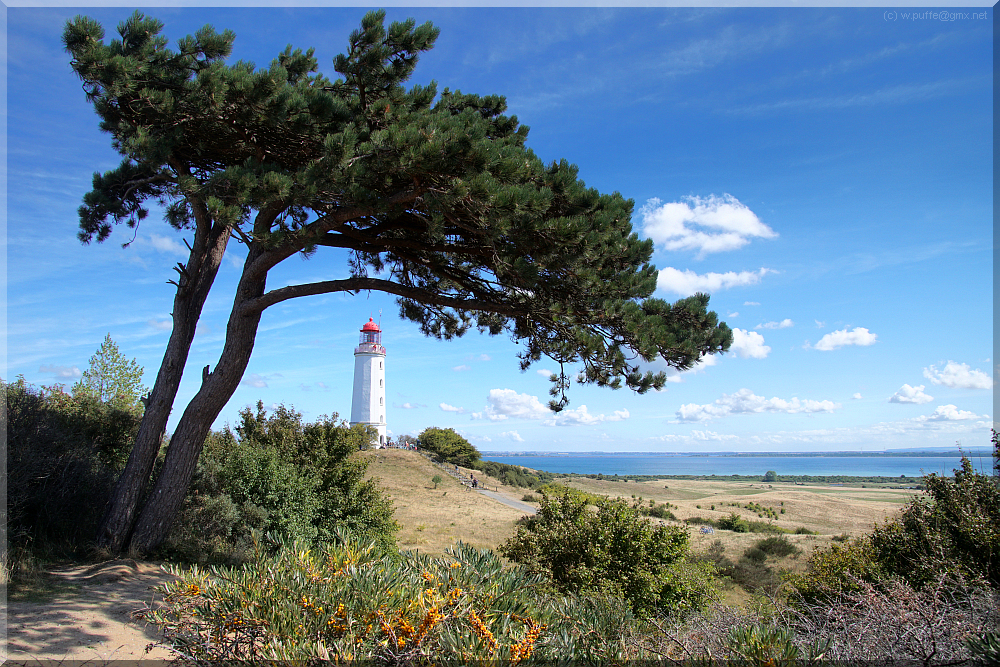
(203, 266)
(167, 496)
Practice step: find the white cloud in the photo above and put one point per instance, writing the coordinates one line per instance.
(783, 324)
(749, 344)
(506, 403)
(733, 314)
(165, 325)
(463, 367)
(688, 282)
(842, 337)
(746, 402)
(582, 417)
(545, 373)
(819, 325)
(167, 245)
(62, 372)
(751, 303)
(949, 413)
(856, 396)
(451, 408)
(712, 224)
(706, 436)
(512, 435)
(256, 381)
(908, 394)
(410, 406)
(958, 376)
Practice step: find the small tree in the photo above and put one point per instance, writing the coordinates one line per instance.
(437, 480)
(112, 379)
(449, 446)
(770, 476)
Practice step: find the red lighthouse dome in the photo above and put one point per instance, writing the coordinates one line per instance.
(370, 326)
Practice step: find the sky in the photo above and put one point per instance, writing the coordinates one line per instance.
(824, 173)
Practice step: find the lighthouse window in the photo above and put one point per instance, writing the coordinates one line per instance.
(380, 383)
(380, 365)
(380, 400)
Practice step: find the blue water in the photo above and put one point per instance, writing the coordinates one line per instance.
(674, 464)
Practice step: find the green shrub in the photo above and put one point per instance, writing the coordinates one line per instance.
(63, 453)
(776, 546)
(954, 527)
(842, 568)
(514, 475)
(276, 474)
(611, 551)
(734, 522)
(660, 512)
(448, 446)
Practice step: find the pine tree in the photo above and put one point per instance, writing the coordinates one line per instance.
(112, 379)
(435, 197)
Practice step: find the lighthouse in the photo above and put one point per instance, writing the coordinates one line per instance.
(368, 403)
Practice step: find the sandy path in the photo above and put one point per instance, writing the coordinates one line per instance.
(90, 619)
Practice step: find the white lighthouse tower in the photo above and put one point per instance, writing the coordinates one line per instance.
(368, 404)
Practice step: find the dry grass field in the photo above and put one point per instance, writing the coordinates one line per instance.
(432, 519)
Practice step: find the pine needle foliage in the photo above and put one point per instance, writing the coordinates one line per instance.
(434, 192)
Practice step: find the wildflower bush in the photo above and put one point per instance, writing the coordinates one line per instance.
(348, 601)
(613, 551)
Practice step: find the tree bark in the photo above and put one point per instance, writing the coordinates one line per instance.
(192, 289)
(167, 494)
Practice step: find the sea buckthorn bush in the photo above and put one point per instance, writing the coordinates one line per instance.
(349, 601)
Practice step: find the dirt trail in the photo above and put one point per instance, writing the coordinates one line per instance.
(91, 618)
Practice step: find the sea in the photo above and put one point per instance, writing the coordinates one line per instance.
(721, 465)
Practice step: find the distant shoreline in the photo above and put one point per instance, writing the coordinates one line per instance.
(976, 451)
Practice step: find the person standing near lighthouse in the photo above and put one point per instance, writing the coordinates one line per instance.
(368, 403)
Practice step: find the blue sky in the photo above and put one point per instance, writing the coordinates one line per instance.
(824, 173)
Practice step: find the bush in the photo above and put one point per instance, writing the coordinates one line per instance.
(776, 546)
(734, 522)
(63, 455)
(514, 475)
(276, 474)
(348, 603)
(448, 446)
(611, 551)
(660, 512)
(954, 527)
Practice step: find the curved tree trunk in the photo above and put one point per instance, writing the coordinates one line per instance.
(195, 282)
(167, 495)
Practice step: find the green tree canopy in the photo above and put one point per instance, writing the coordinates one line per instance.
(430, 195)
(112, 378)
(448, 445)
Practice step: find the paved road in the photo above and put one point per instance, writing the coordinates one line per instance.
(516, 504)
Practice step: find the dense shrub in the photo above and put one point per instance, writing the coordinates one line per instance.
(776, 546)
(734, 522)
(273, 473)
(954, 527)
(347, 603)
(555, 490)
(611, 551)
(63, 455)
(514, 475)
(448, 446)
